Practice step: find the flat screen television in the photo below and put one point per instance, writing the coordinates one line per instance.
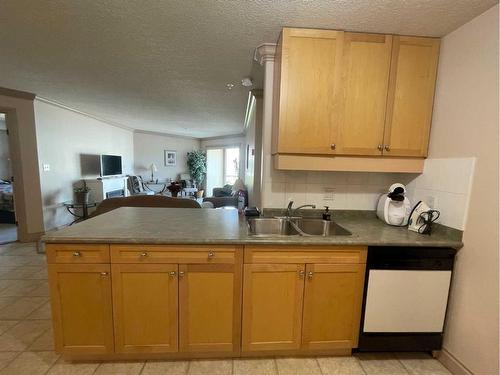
(111, 165)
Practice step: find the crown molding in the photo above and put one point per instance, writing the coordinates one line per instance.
(239, 135)
(264, 53)
(16, 93)
(97, 118)
(162, 134)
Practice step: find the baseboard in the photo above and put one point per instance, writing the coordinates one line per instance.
(453, 365)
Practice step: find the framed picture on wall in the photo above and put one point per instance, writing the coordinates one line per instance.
(170, 158)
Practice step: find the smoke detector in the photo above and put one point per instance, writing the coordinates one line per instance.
(247, 82)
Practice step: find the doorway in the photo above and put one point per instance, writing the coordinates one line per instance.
(223, 166)
(8, 227)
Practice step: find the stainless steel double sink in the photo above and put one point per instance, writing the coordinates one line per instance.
(294, 226)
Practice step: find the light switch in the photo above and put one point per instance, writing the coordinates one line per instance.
(46, 167)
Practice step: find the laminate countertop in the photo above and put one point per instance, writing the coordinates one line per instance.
(210, 226)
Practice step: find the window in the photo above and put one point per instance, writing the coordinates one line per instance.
(223, 166)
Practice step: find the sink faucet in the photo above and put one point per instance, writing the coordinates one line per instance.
(289, 208)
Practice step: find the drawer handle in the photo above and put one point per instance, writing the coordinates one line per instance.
(387, 148)
(310, 274)
(302, 273)
(172, 273)
(181, 273)
(144, 254)
(77, 254)
(104, 274)
(211, 254)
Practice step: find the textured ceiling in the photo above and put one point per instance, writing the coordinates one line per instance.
(162, 65)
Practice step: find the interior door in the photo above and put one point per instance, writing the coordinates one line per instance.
(365, 78)
(81, 308)
(210, 307)
(310, 74)
(411, 95)
(272, 306)
(145, 307)
(332, 306)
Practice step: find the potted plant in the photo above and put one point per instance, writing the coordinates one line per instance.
(197, 165)
(174, 188)
(82, 194)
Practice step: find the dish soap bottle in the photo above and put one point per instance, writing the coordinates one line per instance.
(326, 214)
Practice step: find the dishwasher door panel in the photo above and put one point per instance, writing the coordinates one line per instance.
(406, 300)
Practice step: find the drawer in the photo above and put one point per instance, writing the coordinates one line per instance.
(173, 254)
(77, 253)
(305, 254)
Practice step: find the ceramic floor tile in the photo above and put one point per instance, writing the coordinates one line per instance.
(19, 288)
(254, 367)
(381, 364)
(6, 358)
(30, 363)
(340, 366)
(73, 369)
(22, 335)
(297, 366)
(45, 342)
(22, 307)
(6, 324)
(119, 368)
(42, 289)
(422, 364)
(220, 367)
(165, 368)
(43, 312)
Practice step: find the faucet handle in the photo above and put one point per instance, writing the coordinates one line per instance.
(290, 204)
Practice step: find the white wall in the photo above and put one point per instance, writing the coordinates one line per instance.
(465, 125)
(149, 148)
(5, 171)
(63, 136)
(253, 159)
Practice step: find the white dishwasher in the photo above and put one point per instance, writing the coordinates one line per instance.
(405, 298)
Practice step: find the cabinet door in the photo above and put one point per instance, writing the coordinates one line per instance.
(307, 79)
(81, 308)
(210, 307)
(332, 306)
(145, 307)
(410, 96)
(272, 306)
(365, 78)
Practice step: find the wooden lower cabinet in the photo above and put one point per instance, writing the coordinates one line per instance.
(272, 306)
(81, 308)
(332, 306)
(145, 308)
(210, 308)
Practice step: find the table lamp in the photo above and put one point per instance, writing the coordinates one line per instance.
(153, 170)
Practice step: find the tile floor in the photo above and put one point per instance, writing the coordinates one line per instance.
(26, 346)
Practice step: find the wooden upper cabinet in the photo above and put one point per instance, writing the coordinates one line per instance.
(210, 307)
(332, 306)
(81, 308)
(362, 100)
(307, 77)
(145, 308)
(411, 95)
(272, 306)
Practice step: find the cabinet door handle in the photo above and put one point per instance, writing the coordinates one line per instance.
(333, 146)
(301, 273)
(310, 274)
(387, 148)
(181, 273)
(77, 254)
(104, 273)
(172, 273)
(211, 254)
(380, 147)
(144, 254)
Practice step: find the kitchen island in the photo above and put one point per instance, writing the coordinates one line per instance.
(193, 283)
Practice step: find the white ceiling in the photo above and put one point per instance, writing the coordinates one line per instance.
(162, 65)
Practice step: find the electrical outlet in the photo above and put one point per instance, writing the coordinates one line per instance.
(328, 195)
(46, 167)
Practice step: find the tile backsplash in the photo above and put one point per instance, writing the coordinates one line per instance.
(445, 185)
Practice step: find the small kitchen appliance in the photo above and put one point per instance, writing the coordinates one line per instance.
(421, 218)
(394, 207)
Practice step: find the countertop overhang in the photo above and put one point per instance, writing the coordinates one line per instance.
(207, 226)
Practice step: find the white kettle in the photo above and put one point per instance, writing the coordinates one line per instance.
(394, 207)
